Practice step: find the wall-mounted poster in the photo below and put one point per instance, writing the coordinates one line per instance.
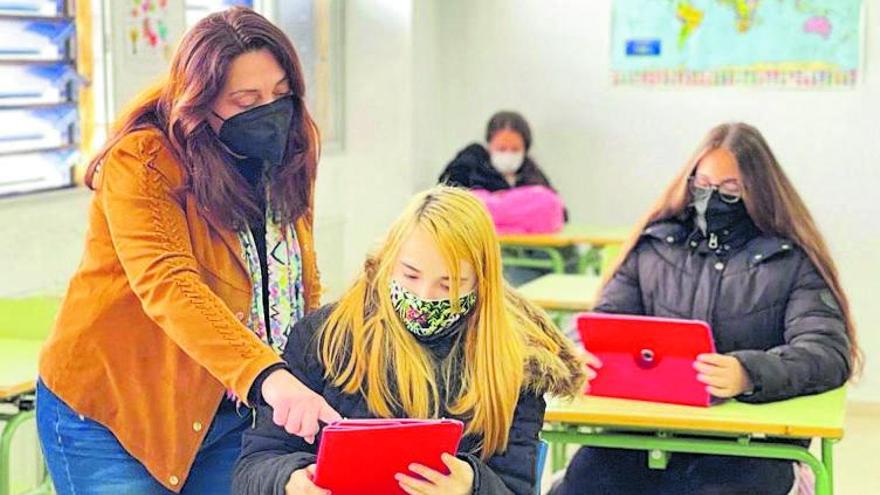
(143, 34)
(795, 43)
(147, 29)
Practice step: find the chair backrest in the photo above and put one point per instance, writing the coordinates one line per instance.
(29, 318)
(543, 447)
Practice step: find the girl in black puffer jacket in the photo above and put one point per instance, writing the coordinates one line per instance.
(428, 330)
(731, 243)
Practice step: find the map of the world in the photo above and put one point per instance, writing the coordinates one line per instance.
(800, 43)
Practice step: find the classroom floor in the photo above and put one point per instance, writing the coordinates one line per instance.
(857, 461)
(857, 456)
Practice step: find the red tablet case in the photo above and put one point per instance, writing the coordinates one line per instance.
(647, 358)
(361, 456)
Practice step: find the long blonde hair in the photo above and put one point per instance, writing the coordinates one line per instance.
(771, 200)
(367, 350)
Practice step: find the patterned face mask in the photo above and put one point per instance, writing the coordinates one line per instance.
(425, 318)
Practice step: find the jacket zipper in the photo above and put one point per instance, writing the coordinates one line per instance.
(715, 289)
(713, 241)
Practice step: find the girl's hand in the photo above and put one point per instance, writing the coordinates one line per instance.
(301, 483)
(296, 407)
(724, 376)
(592, 366)
(459, 481)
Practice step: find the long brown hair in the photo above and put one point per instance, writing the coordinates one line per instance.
(771, 200)
(179, 104)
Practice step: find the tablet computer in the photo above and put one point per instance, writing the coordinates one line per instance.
(358, 456)
(647, 358)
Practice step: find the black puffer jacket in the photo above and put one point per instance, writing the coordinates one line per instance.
(472, 169)
(766, 303)
(269, 454)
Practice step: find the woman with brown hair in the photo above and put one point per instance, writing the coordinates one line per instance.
(730, 242)
(198, 261)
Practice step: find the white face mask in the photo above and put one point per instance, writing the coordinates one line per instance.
(507, 162)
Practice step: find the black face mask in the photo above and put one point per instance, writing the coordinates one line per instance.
(260, 132)
(725, 225)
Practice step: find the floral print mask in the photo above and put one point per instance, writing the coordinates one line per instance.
(426, 318)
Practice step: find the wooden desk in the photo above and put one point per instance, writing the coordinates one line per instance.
(723, 429)
(521, 249)
(570, 235)
(562, 292)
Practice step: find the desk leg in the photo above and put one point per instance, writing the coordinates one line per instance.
(557, 453)
(556, 260)
(591, 257)
(828, 459)
(12, 425)
(516, 256)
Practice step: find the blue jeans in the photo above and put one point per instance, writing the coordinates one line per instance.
(85, 458)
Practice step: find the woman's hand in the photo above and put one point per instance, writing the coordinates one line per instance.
(592, 365)
(300, 483)
(459, 481)
(296, 407)
(724, 376)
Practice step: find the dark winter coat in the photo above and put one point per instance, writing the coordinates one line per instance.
(270, 455)
(766, 303)
(472, 169)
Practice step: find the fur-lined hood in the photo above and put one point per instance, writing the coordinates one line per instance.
(559, 371)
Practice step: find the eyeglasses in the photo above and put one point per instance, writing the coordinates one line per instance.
(730, 190)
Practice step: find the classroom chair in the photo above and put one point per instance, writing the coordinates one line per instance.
(23, 319)
(541, 460)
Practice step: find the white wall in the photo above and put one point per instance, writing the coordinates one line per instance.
(364, 186)
(421, 79)
(610, 149)
(41, 241)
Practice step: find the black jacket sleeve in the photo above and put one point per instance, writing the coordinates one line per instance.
(256, 390)
(514, 471)
(623, 294)
(816, 354)
(269, 455)
(462, 170)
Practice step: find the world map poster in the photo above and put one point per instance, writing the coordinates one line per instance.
(793, 43)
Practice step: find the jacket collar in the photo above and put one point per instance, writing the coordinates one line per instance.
(668, 231)
(759, 249)
(763, 248)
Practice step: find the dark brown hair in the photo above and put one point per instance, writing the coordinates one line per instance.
(179, 106)
(506, 119)
(771, 200)
(529, 173)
